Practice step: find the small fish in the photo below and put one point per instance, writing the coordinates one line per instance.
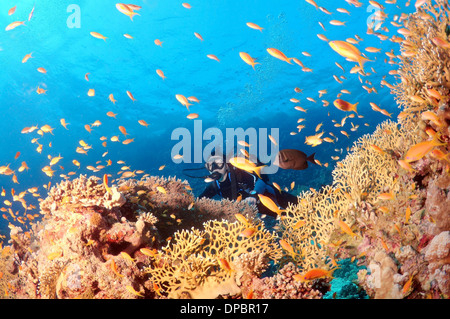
(198, 36)
(111, 114)
(126, 256)
(241, 218)
(270, 204)
(349, 51)
(114, 268)
(313, 3)
(407, 214)
(299, 224)
(31, 14)
(133, 291)
(111, 98)
(158, 42)
(346, 229)
(12, 10)
(337, 23)
(160, 73)
(224, 264)
(254, 26)
(419, 150)
(248, 59)
(279, 55)
(130, 95)
(105, 183)
(407, 287)
(386, 196)
(213, 57)
(123, 130)
(26, 57)
(127, 9)
(98, 35)
(314, 274)
(248, 232)
(405, 165)
(143, 123)
(183, 100)
(286, 246)
(14, 25)
(91, 92)
(192, 116)
(246, 165)
(345, 106)
(161, 189)
(40, 90)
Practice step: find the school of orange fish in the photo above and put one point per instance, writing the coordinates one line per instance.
(346, 49)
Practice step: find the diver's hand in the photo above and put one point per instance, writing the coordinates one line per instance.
(250, 200)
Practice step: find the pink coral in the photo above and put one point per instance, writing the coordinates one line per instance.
(437, 253)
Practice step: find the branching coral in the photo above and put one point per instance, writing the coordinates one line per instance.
(204, 264)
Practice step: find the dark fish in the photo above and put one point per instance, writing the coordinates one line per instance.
(293, 159)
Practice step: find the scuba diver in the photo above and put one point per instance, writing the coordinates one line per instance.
(231, 182)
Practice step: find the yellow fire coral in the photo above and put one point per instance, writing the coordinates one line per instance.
(202, 264)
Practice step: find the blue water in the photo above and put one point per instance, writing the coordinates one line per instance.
(231, 93)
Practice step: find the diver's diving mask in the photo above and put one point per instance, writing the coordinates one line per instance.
(216, 165)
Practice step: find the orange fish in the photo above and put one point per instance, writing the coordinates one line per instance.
(12, 10)
(128, 141)
(183, 100)
(42, 70)
(161, 74)
(345, 106)
(111, 98)
(123, 130)
(91, 92)
(248, 232)
(105, 183)
(314, 274)
(192, 116)
(198, 36)
(248, 59)
(348, 51)
(40, 90)
(404, 164)
(386, 196)
(224, 264)
(88, 128)
(186, 5)
(279, 55)
(346, 229)
(143, 123)
(254, 26)
(14, 25)
(98, 35)
(111, 114)
(26, 57)
(158, 42)
(270, 204)
(419, 150)
(131, 96)
(127, 9)
(213, 57)
(286, 246)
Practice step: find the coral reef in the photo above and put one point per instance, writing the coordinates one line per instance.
(94, 243)
(382, 226)
(344, 284)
